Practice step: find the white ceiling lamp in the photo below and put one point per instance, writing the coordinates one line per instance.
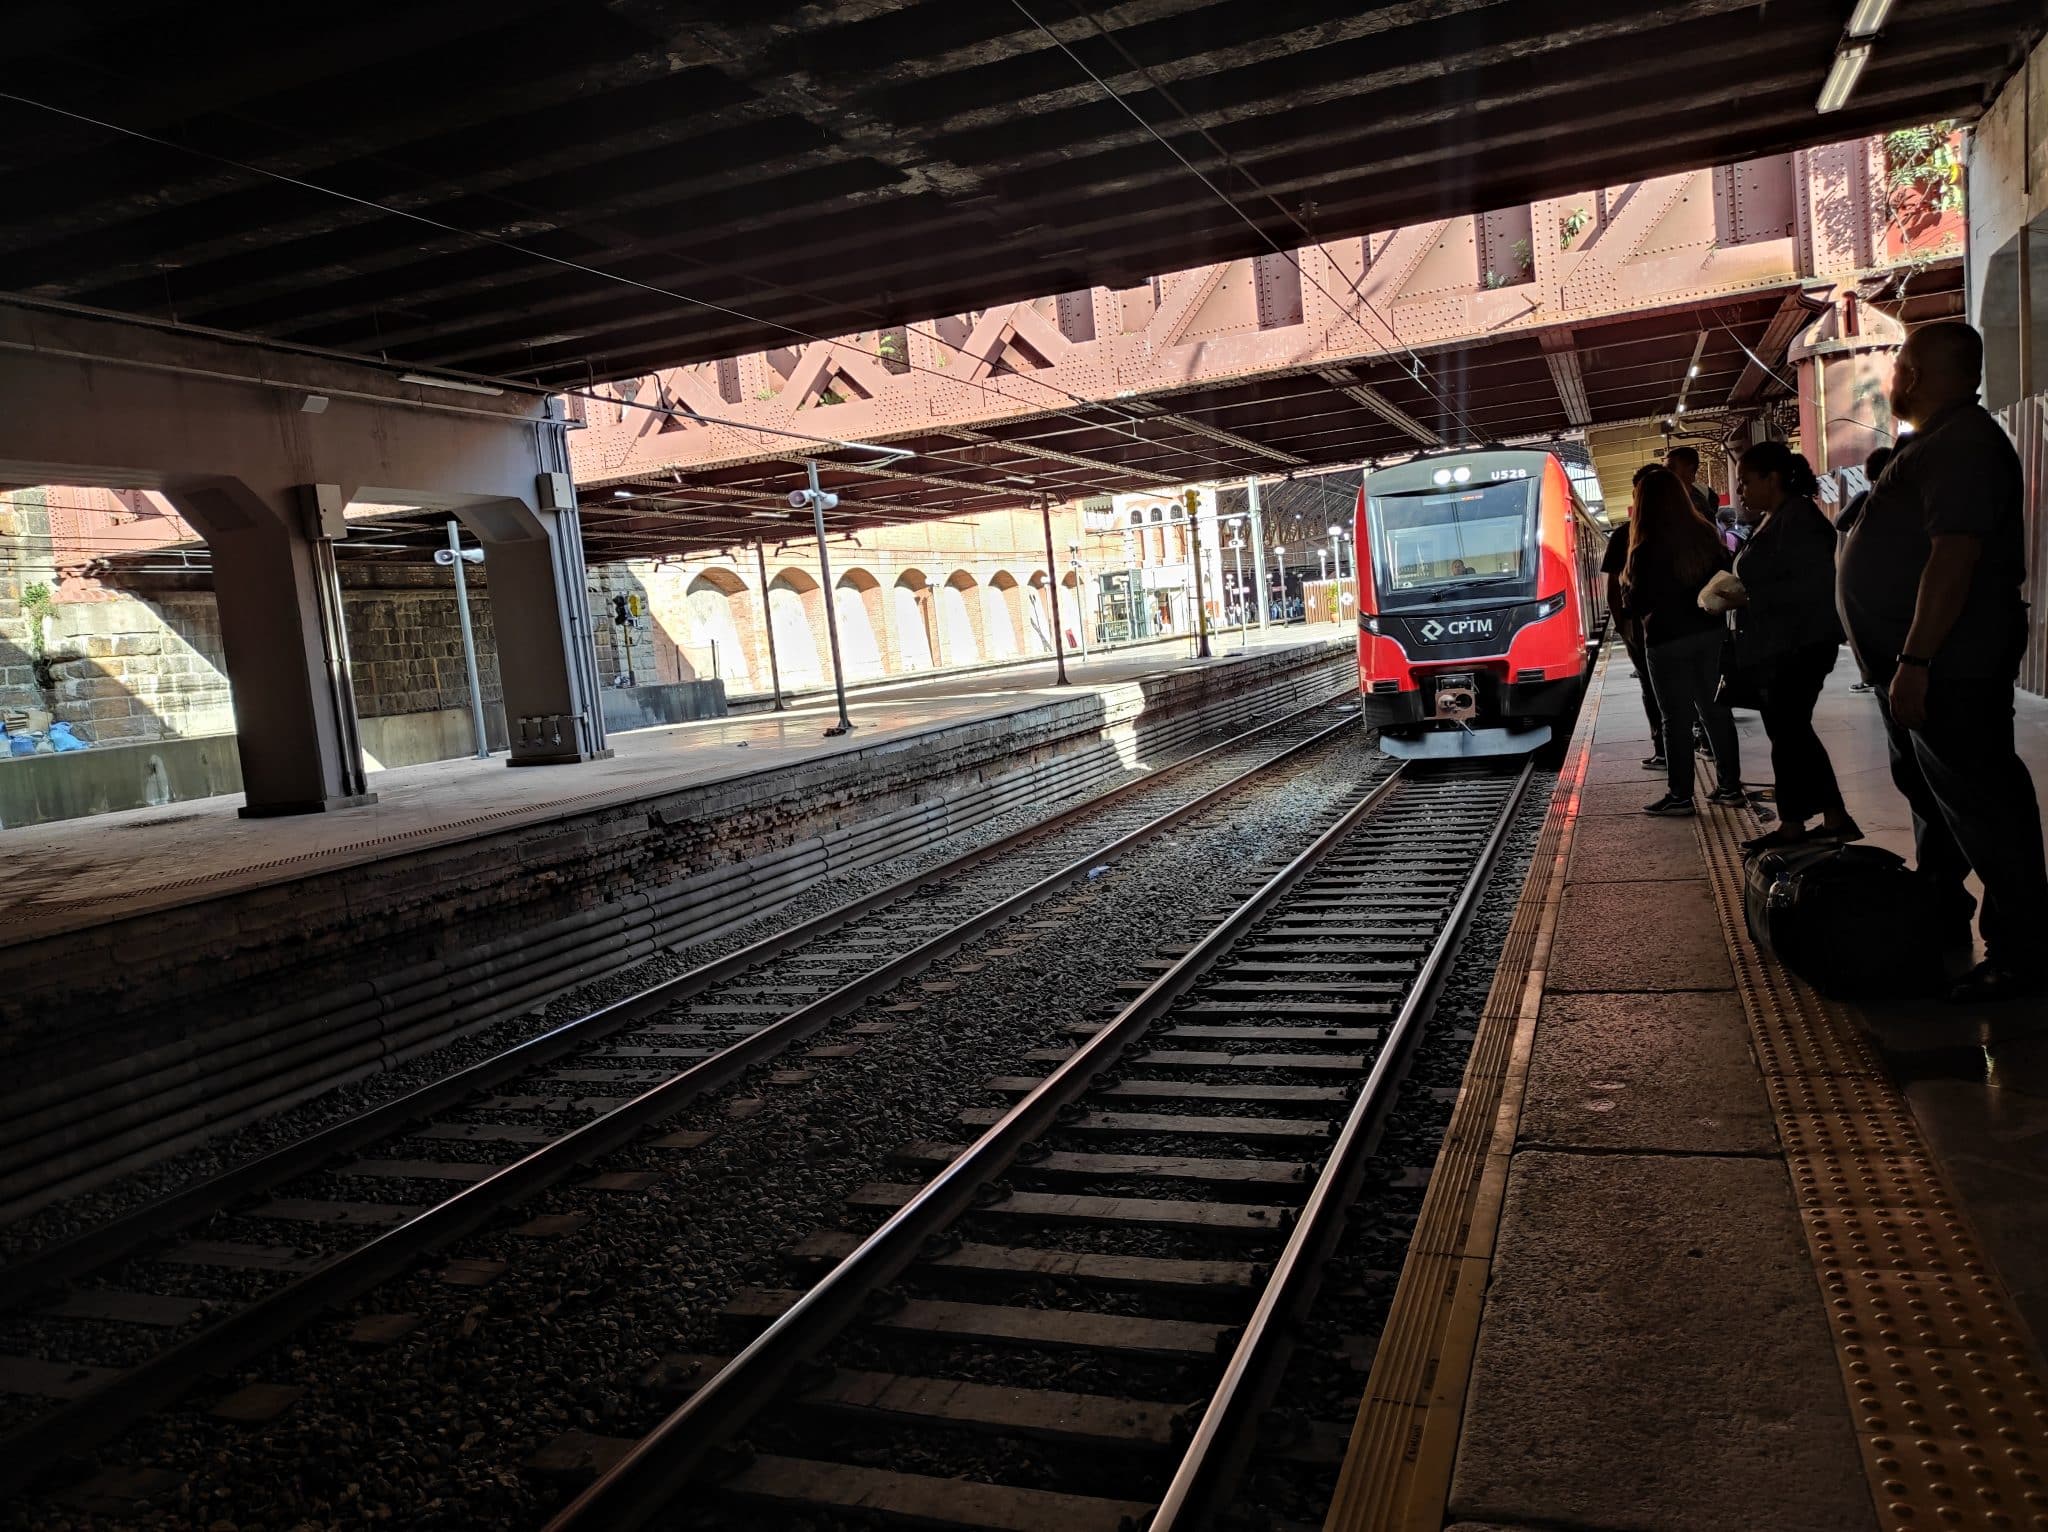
(1848, 69)
(1852, 53)
(457, 384)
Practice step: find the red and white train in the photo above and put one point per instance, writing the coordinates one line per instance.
(1480, 601)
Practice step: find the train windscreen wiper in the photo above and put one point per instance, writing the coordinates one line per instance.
(1458, 588)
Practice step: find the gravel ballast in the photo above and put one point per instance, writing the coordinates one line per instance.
(435, 1429)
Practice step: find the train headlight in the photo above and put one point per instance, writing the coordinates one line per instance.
(1460, 475)
(1549, 606)
(1370, 623)
(1441, 476)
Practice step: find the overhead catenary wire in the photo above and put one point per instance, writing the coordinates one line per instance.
(583, 268)
(1419, 368)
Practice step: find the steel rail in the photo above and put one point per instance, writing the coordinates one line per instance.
(42, 1270)
(644, 1482)
(1202, 1487)
(89, 1420)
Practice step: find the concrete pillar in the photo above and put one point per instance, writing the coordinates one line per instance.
(540, 611)
(286, 652)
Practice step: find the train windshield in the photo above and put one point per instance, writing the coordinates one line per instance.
(1444, 544)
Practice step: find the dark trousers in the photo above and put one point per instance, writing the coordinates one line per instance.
(1687, 672)
(1806, 777)
(1974, 810)
(1632, 640)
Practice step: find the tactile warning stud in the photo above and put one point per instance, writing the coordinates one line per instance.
(1891, 1239)
(1943, 1384)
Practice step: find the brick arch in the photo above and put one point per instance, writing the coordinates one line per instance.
(721, 610)
(796, 611)
(1006, 632)
(863, 628)
(913, 621)
(1038, 614)
(959, 602)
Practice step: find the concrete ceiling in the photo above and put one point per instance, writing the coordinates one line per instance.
(566, 190)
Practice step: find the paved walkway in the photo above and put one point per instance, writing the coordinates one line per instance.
(1704, 1252)
(149, 856)
(1977, 1081)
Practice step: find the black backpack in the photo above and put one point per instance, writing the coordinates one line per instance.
(1855, 922)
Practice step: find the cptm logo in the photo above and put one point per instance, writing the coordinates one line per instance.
(1460, 627)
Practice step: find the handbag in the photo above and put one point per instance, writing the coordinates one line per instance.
(1742, 686)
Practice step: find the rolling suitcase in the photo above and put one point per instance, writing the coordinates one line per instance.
(1855, 922)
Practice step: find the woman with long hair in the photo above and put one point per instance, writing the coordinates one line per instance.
(1672, 552)
(1788, 635)
(1613, 562)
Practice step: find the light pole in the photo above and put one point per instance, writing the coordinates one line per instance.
(1052, 592)
(1251, 492)
(1280, 556)
(1337, 552)
(1080, 600)
(820, 502)
(768, 627)
(1192, 499)
(1237, 557)
(456, 556)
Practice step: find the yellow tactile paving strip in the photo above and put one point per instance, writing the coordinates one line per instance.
(1943, 1380)
(1397, 1472)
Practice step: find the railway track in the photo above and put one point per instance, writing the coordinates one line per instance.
(1076, 1321)
(312, 1225)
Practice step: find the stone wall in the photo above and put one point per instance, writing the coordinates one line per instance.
(24, 560)
(145, 663)
(405, 640)
(131, 669)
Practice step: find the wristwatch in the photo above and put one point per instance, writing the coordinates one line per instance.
(1910, 659)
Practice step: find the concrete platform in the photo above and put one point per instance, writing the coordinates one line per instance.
(167, 974)
(76, 873)
(1659, 1298)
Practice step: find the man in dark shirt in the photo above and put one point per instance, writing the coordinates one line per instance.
(1685, 462)
(1928, 585)
(1612, 563)
(1873, 470)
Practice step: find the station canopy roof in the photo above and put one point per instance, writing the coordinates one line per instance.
(562, 192)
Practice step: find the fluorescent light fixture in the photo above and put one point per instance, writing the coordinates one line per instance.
(622, 494)
(1693, 371)
(1842, 78)
(460, 387)
(769, 515)
(1868, 17)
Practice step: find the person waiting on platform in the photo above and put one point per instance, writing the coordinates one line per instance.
(1685, 462)
(1929, 585)
(1673, 551)
(1873, 470)
(1788, 636)
(1612, 563)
